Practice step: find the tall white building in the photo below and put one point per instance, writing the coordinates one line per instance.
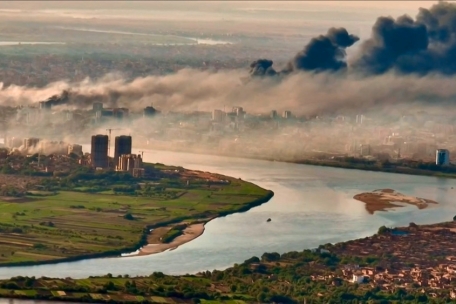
(442, 157)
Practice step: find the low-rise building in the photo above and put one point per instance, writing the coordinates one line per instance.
(75, 149)
(129, 162)
(358, 278)
(442, 157)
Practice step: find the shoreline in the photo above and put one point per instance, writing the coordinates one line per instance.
(311, 162)
(370, 262)
(130, 251)
(154, 245)
(144, 236)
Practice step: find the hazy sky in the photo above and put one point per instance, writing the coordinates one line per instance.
(381, 6)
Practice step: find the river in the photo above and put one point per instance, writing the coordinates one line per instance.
(312, 206)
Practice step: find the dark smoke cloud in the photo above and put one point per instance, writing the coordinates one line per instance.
(424, 45)
(262, 67)
(82, 99)
(58, 99)
(324, 53)
(341, 38)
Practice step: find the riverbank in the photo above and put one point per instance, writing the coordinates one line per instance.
(75, 225)
(383, 199)
(403, 265)
(364, 166)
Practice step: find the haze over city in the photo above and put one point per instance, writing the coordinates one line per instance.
(351, 64)
(147, 146)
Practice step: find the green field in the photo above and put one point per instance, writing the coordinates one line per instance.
(49, 226)
(160, 289)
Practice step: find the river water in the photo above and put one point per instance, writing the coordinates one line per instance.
(312, 206)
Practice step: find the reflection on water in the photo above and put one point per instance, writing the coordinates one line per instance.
(311, 206)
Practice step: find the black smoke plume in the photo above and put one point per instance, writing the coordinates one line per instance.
(426, 44)
(262, 67)
(72, 97)
(421, 46)
(324, 53)
(57, 100)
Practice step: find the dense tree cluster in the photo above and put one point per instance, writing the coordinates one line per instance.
(273, 278)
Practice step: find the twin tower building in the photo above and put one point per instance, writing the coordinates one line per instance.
(123, 159)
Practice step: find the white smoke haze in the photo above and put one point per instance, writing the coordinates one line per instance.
(302, 93)
(383, 98)
(14, 95)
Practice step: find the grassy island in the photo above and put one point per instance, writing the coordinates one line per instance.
(84, 213)
(413, 264)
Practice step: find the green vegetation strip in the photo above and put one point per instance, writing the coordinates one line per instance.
(89, 214)
(273, 278)
(367, 270)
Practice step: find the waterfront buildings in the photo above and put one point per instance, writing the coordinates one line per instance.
(442, 157)
(30, 143)
(149, 111)
(122, 146)
(53, 147)
(131, 163)
(218, 115)
(97, 106)
(75, 149)
(274, 114)
(99, 151)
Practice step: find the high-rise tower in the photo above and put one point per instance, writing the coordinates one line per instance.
(99, 151)
(122, 146)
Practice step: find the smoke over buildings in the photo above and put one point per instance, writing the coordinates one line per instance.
(426, 44)
(301, 93)
(397, 44)
(56, 100)
(262, 67)
(399, 52)
(323, 53)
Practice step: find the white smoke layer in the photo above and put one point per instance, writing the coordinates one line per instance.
(302, 93)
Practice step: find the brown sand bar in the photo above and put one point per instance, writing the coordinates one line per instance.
(189, 234)
(381, 200)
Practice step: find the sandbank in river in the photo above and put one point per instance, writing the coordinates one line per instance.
(381, 200)
(155, 246)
